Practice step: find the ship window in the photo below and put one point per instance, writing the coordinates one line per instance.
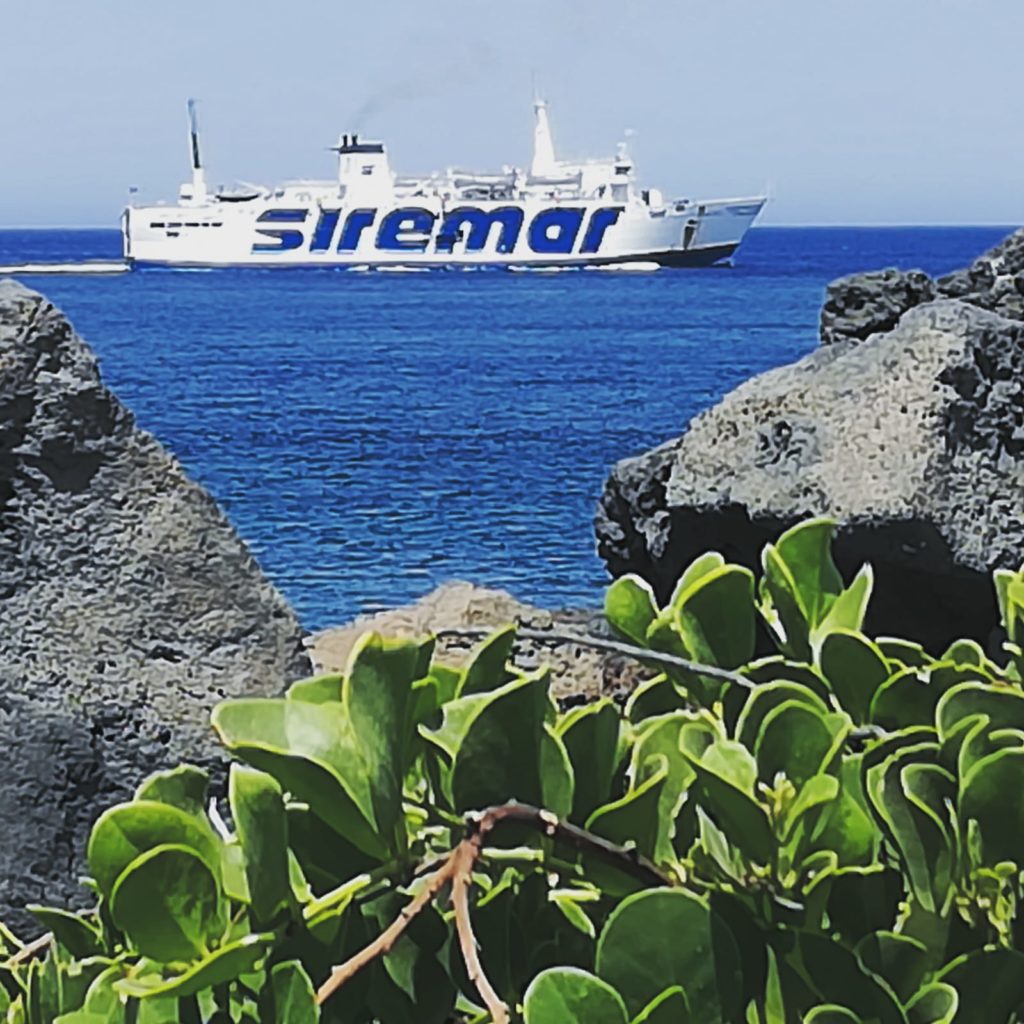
(368, 169)
(191, 224)
(157, 224)
(174, 224)
(217, 224)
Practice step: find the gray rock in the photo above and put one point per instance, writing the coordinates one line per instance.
(913, 440)
(577, 672)
(864, 304)
(128, 605)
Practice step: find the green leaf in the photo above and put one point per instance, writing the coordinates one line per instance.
(568, 903)
(497, 744)
(993, 795)
(696, 570)
(568, 995)
(806, 550)
(764, 699)
(989, 984)
(833, 973)
(377, 695)
(488, 666)
(312, 751)
(903, 653)
(908, 792)
(661, 938)
(657, 696)
(724, 786)
(288, 996)
(557, 783)
(659, 738)
(634, 817)
(670, 1007)
(798, 741)
(78, 936)
(855, 669)
(146, 981)
(168, 902)
(935, 1003)
(832, 1014)
(125, 831)
(1003, 705)
(847, 611)
(900, 961)
(257, 806)
(324, 689)
(630, 608)
(906, 699)
(715, 617)
(185, 786)
(591, 737)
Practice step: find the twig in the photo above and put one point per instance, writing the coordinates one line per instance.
(613, 647)
(625, 857)
(28, 951)
(466, 854)
(384, 942)
(457, 869)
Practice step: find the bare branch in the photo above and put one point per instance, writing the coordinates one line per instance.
(384, 942)
(28, 951)
(466, 855)
(457, 869)
(613, 647)
(627, 858)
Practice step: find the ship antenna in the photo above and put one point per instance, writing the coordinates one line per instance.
(198, 175)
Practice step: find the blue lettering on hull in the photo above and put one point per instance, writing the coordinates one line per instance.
(553, 231)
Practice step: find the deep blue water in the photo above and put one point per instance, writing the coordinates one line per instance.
(371, 435)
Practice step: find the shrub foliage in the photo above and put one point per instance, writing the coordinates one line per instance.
(828, 834)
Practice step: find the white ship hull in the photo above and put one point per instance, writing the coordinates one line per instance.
(556, 214)
(268, 234)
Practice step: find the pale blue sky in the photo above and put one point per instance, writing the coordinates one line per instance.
(867, 111)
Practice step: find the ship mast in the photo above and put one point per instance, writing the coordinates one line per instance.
(544, 163)
(198, 176)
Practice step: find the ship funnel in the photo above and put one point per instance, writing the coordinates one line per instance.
(544, 163)
(198, 175)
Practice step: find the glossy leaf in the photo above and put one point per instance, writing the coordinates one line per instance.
(257, 805)
(630, 607)
(572, 996)
(635, 957)
(125, 831)
(168, 902)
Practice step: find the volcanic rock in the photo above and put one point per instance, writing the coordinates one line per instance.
(912, 439)
(864, 304)
(578, 672)
(128, 605)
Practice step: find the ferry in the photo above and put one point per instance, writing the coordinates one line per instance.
(553, 214)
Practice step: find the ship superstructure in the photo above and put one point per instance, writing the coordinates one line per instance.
(553, 213)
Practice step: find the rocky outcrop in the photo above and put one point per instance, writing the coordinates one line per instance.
(913, 439)
(578, 673)
(864, 304)
(128, 605)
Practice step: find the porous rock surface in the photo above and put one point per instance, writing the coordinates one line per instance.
(578, 672)
(911, 437)
(128, 606)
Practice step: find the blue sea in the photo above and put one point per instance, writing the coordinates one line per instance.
(372, 435)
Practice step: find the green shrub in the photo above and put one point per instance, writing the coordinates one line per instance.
(827, 834)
